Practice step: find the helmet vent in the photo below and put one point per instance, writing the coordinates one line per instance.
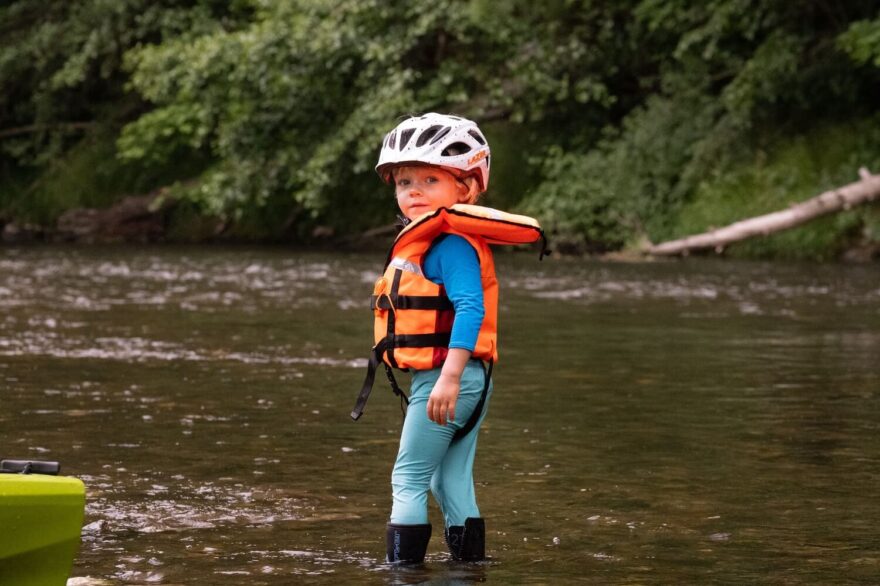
(441, 134)
(405, 136)
(391, 139)
(428, 134)
(477, 136)
(456, 148)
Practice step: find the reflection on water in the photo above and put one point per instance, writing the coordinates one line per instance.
(686, 422)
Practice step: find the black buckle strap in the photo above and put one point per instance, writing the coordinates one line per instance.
(369, 379)
(425, 302)
(478, 410)
(393, 341)
(404, 400)
(435, 340)
(545, 250)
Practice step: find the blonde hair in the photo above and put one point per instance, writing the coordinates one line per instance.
(473, 186)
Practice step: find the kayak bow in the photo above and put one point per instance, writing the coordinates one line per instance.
(40, 521)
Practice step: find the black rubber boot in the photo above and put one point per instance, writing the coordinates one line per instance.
(406, 544)
(467, 543)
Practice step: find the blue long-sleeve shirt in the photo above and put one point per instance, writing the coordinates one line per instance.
(454, 264)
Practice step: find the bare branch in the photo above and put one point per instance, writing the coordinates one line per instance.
(32, 128)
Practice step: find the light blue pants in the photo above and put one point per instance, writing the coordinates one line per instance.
(429, 460)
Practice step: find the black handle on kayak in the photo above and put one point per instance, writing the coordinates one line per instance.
(30, 467)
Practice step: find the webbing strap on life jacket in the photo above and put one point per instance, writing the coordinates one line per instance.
(385, 344)
(370, 378)
(478, 410)
(428, 302)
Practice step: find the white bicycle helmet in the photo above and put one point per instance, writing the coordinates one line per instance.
(451, 142)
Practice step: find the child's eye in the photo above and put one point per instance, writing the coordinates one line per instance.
(431, 179)
(403, 182)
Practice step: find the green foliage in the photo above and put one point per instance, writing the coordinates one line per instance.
(628, 184)
(862, 41)
(294, 104)
(87, 175)
(796, 169)
(60, 63)
(612, 122)
(737, 78)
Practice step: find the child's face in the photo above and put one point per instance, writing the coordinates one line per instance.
(421, 190)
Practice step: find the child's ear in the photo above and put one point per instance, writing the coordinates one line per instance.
(469, 190)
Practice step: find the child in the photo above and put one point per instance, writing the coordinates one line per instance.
(435, 314)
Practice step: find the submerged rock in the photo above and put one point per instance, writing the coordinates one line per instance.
(139, 218)
(13, 233)
(865, 252)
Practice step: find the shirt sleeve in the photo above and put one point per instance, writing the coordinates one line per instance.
(454, 264)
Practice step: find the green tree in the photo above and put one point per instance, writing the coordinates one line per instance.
(618, 116)
(294, 104)
(63, 95)
(731, 79)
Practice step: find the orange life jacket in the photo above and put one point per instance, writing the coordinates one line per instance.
(413, 315)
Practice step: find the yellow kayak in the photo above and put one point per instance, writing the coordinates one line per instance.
(40, 521)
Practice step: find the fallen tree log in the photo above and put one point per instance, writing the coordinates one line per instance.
(843, 198)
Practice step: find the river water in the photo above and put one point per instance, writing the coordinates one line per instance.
(698, 422)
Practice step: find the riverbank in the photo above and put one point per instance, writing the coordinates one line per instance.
(145, 220)
(91, 197)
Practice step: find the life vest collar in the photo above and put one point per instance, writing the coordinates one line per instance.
(494, 226)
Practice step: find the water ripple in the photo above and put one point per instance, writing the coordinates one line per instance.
(114, 509)
(138, 349)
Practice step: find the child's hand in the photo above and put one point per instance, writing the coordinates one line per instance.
(441, 402)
